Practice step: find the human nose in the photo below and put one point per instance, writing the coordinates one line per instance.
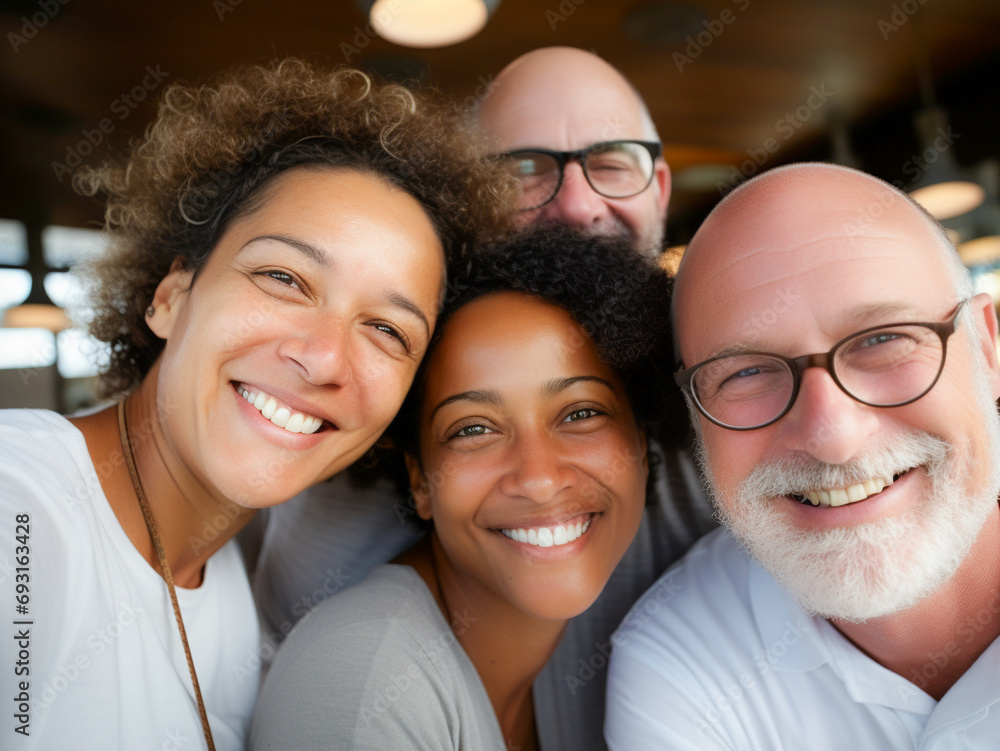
(825, 422)
(538, 471)
(321, 354)
(576, 204)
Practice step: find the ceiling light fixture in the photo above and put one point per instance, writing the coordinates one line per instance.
(37, 312)
(943, 188)
(428, 23)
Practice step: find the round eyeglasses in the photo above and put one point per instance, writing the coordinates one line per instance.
(884, 366)
(614, 169)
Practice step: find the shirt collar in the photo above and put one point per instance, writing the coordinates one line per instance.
(790, 635)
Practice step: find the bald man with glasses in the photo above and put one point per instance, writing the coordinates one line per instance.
(844, 398)
(581, 140)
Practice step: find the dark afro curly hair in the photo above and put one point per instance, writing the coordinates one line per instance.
(621, 300)
(205, 159)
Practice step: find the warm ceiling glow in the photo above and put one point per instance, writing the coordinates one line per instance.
(980, 250)
(428, 23)
(31, 316)
(950, 199)
(670, 259)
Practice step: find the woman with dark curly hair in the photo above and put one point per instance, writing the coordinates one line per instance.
(525, 438)
(279, 241)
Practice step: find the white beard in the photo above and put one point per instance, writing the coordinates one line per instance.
(885, 566)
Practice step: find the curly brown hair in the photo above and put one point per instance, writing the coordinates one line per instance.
(206, 157)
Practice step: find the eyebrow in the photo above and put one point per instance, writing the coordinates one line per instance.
(906, 313)
(320, 258)
(405, 303)
(857, 320)
(561, 384)
(479, 396)
(493, 398)
(313, 253)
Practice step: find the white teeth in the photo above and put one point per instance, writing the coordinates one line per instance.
(280, 417)
(547, 537)
(856, 493)
(283, 417)
(851, 494)
(269, 408)
(838, 497)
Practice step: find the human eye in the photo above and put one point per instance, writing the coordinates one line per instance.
(611, 161)
(470, 430)
(581, 414)
(879, 337)
(391, 332)
(740, 377)
(886, 348)
(274, 277)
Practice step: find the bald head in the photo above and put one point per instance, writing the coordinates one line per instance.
(566, 99)
(809, 219)
(589, 95)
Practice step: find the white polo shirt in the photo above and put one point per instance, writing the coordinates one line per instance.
(716, 655)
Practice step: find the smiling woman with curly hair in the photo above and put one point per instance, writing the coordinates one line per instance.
(279, 245)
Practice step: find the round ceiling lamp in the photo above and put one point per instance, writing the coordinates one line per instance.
(943, 189)
(428, 23)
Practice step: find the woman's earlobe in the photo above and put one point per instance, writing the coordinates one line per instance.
(419, 488)
(168, 299)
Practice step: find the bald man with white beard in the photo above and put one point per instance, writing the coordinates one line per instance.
(844, 397)
(562, 115)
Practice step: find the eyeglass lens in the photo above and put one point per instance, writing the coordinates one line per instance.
(882, 368)
(615, 170)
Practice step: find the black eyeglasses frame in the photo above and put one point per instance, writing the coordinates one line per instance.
(562, 158)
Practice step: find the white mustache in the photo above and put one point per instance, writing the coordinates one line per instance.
(797, 474)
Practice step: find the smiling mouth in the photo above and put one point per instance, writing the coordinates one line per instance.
(278, 412)
(548, 537)
(835, 497)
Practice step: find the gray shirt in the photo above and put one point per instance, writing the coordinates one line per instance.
(377, 667)
(329, 537)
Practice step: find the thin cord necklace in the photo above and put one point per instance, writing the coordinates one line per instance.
(437, 580)
(164, 566)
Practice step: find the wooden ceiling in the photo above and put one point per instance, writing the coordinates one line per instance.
(724, 79)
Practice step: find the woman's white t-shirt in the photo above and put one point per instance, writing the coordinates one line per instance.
(90, 655)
